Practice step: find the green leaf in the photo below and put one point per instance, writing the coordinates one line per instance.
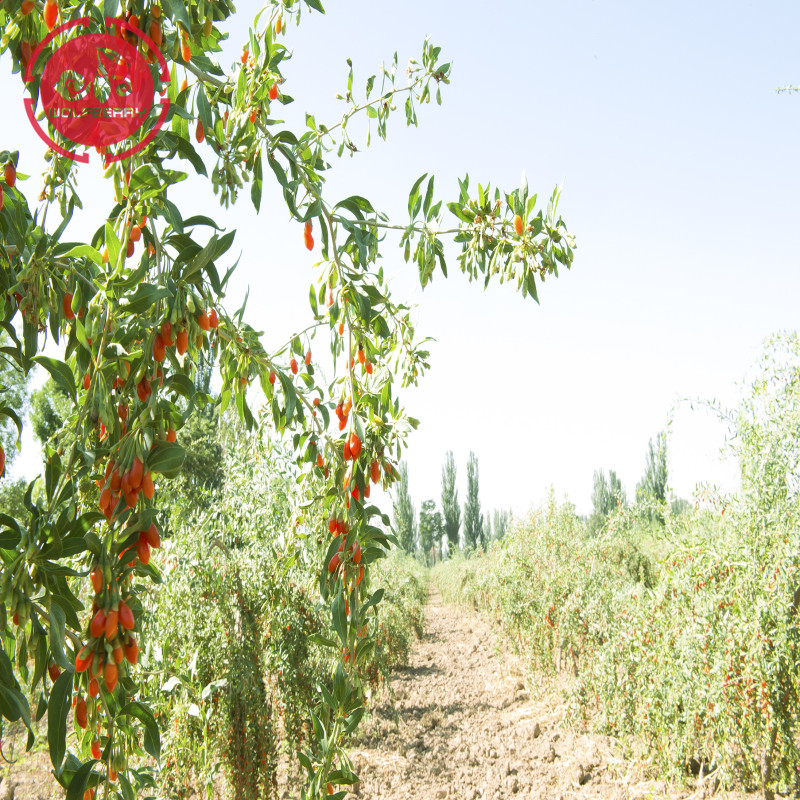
(174, 215)
(199, 261)
(57, 712)
(339, 617)
(60, 373)
(166, 458)
(414, 195)
(258, 180)
(152, 738)
(428, 198)
(57, 624)
(85, 251)
(80, 780)
(289, 394)
(204, 109)
(176, 10)
(145, 296)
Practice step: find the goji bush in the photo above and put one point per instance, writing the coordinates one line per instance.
(687, 646)
(127, 316)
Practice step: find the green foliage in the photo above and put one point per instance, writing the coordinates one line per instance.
(689, 649)
(651, 491)
(679, 505)
(404, 515)
(201, 475)
(430, 531)
(126, 324)
(401, 615)
(474, 534)
(13, 388)
(606, 496)
(450, 507)
(501, 520)
(12, 496)
(50, 407)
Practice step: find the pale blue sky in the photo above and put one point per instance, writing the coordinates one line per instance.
(681, 185)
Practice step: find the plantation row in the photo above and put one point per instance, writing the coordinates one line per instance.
(682, 631)
(234, 643)
(232, 686)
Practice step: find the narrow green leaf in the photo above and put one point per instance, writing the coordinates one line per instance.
(152, 738)
(258, 180)
(60, 373)
(57, 712)
(80, 780)
(166, 458)
(57, 625)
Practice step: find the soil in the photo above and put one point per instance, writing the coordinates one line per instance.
(466, 724)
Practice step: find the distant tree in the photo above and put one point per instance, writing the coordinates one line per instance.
(12, 496)
(487, 527)
(653, 486)
(50, 406)
(450, 508)
(13, 389)
(679, 505)
(501, 519)
(473, 519)
(404, 512)
(606, 494)
(430, 530)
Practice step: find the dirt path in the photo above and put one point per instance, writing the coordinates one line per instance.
(468, 727)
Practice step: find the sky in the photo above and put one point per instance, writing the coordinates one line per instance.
(680, 183)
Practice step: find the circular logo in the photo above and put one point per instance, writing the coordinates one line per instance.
(97, 89)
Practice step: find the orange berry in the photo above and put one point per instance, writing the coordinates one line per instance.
(293, 366)
(518, 224)
(131, 650)
(273, 91)
(147, 486)
(111, 673)
(159, 350)
(68, 312)
(200, 133)
(81, 717)
(10, 174)
(50, 14)
(155, 33)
